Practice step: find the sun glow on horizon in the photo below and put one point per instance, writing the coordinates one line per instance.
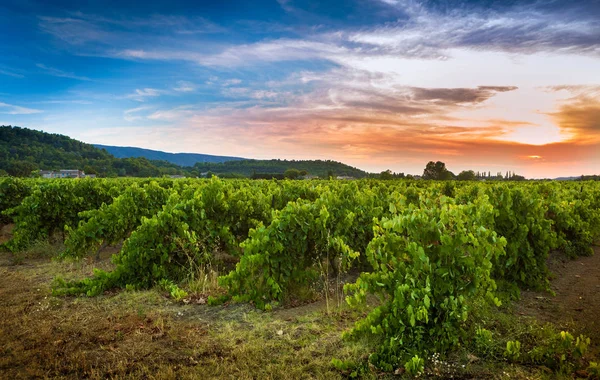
(536, 135)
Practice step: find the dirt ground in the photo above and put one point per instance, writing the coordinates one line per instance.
(576, 305)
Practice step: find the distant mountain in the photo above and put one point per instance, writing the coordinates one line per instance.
(567, 178)
(181, 159)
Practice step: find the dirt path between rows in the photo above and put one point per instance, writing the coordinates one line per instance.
(576, 305)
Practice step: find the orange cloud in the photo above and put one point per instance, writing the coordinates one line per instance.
(580, 116)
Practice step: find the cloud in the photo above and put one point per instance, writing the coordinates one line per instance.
(17, 110)
(131, 114)
(141, 95)
(81, 28)
(459, 95)
(425, 32)
(184, 86)
(230, 82)
(244, 54)
(11, 74)
(525, 29)
(581, 117)
(262, 94)
(65, 101)
(177, 113)
(74, 31)
(576, 90)
(59, 73)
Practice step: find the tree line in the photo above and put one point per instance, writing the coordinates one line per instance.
(438, 171)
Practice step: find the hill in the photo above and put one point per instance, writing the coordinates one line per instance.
(181, 159)
(231, 166)
(249, 168)
(25, 150)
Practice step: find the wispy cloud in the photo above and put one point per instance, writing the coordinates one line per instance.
(230, 82)
(525, 29)
(60, 73)
(74, 30)
(177, 113)
(185, 86)
(11, 73)
(425, 34)
(141, 95)
(65, 101)
(132, 114)
(11, 109)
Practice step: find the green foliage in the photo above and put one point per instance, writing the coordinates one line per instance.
(483, 341)
(415, 366)
(513, 350)
(521, 340)
(466, 175)
(56, 204)
(429, 251)
(386, 175)
(302, 235)
(292, 173)
(113, 222)
(520, 217)
(594, 369)
(186, 232)
(12, 192)
(174, 291)
(438, 171)
(427, 260)
(573, 211)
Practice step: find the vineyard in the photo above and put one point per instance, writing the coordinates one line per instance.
(424, 255)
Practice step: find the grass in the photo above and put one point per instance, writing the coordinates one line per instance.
(146, 334)
(203, 281)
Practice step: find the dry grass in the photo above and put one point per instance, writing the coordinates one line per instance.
(204, 280)
(143, 334)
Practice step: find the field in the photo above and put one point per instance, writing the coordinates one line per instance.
(299, 279)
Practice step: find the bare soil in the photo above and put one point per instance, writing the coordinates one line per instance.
(576, 303)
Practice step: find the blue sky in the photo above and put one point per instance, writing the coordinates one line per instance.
(487, 85)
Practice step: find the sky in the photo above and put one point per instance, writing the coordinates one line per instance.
(489, 85)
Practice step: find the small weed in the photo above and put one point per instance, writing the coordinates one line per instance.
(483, 341)
(513, 350)
(415, 366)
(204, 280)
(174, 291)
(594, 370)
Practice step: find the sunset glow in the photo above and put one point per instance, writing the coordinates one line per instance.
(374, 84)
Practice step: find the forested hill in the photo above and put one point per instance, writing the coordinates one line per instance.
(23, 151)
(251, 168)
(181, 159)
